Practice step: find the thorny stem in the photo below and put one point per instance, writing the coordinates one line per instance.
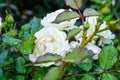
(94, 33)
(75, 75)
(81, 16)
(84, 30)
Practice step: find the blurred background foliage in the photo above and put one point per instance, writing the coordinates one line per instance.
(24, 10)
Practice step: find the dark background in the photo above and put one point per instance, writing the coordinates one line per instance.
(24, 10)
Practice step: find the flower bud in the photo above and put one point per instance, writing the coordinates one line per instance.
(112, 23)
(99, 19)
(9, 19)
(86, 25)
(105, 10)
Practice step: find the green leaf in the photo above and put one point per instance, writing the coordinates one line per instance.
(98, 69)
(37, 77)
(71, 78)
(73, 32)
(108, 57)
(9, 19)
(11, 40)
(25, 31)
(86, 65)
(77, 55)
(1, 73)
(76, 4)
(66, 16)
(70, 69)
(20, 65)
(108, 18)
(55, 73)
(90, 12)
(35, 22)
(27, 46)
(88, 77)
(26, 27)
(12, 32)
(108, 76)
(3, 56)
(20, 77)
(48, 58)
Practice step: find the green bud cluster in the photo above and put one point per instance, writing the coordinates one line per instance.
(86, 25)
(8, 23)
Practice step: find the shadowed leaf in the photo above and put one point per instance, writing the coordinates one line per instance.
(77, 55)
(48, 58)
(11, 40)
(76, 4)
(73, 32)
(90, 12)
(55, 73)
(66, 16)
(20, 65)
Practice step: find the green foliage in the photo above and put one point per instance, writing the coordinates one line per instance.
(108, 57)
(14, 49)
(3, 56)
(19, 78)
(9, 22)
(26, 46)
(73, 33)
(55, 73)
(20, 65)
(37, 77)
(86, 64)
(108, 76)
(11, 40)
(1, 73)
(88, 77)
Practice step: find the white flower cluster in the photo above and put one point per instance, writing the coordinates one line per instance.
(52, 38)
(105, 36)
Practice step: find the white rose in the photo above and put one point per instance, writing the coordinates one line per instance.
(92, 23)
(106, 37)
(49, 40)
(65, 25)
